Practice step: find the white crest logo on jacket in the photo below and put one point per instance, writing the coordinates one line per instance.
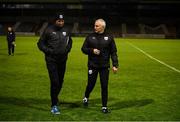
(105, 38)
(64, 33)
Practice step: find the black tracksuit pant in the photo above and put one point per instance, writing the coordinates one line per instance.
(104, 77)
(56, 71)
(10, 48)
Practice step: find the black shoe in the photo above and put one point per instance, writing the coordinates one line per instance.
(105, 110)
(85, 101)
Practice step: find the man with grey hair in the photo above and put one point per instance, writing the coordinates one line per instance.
(99, 46)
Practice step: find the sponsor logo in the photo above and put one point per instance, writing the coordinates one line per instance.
(60, 16)
(54, 33)
(93, 37)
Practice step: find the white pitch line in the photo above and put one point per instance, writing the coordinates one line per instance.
(151, 57)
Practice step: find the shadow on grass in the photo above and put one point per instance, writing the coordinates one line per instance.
(131, 103)
(75, 104)
(22, 102)
(35, 103)
(118, 104)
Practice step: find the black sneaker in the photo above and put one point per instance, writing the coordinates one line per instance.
(85, 101)
(105, 110)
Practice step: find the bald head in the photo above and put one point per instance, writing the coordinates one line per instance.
(9, 29)
(99, 26)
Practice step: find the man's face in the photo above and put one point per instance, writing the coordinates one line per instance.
(60, 22)
(98, 27)
(9, 29)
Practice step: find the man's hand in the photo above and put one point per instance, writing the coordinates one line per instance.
(114, 69)
(96, 51)
(13, 43)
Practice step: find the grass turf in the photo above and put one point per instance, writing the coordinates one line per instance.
(143, 89)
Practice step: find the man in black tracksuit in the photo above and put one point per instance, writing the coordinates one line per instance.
(99, 46)
(56, 43)
(11, 40)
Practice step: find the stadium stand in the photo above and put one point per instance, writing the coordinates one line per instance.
(133, 29)
(25, 27)
(125, 18)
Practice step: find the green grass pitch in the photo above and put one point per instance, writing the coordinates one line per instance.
(143, 89)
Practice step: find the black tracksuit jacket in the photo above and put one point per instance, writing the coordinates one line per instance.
(11, 36)
(55, 42)
(105, 43)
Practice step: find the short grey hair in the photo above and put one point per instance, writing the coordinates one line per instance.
(102, 21)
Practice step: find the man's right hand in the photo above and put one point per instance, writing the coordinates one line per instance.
(96, 51)
(114, 69)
